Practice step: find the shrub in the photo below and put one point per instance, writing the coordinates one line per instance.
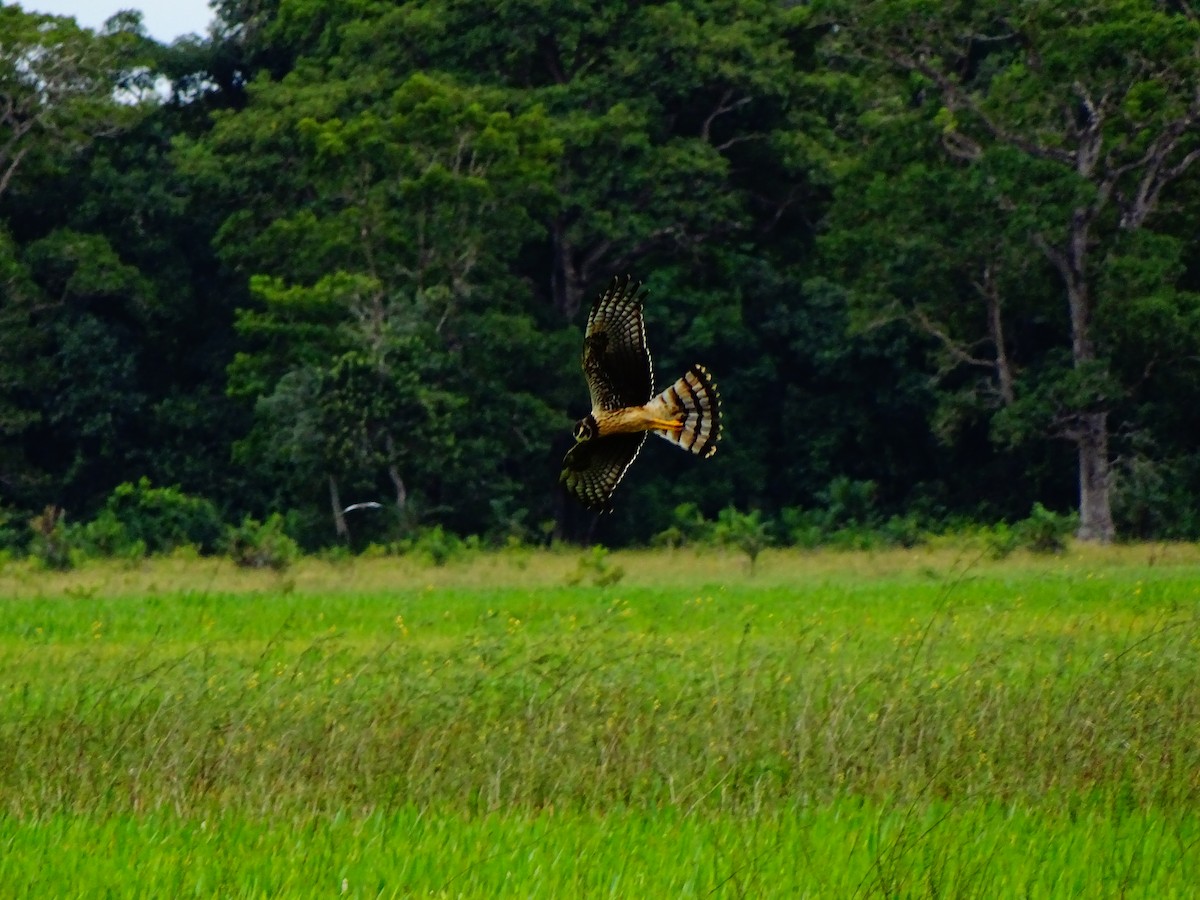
(260, 545)
(848, 519)
(801, 527)
(855, 537)
(1045, 531)
(688, 526)
(743, 531)
(14, 530)
(161, 518)
(437, 545)
(509, 524)
(1001, 539)
(106, 535)
(596, 567)
(904, 531)
(850, 502)
(1152, 499)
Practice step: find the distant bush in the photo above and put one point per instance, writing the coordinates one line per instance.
(1001, 540)
(436, 544)
(161, 518)
(107, 536)
(261, 545)
(904, 531)
(1153, 499)
(510, 525)
(855, 537)
(138, 519)
(850, 502)
(847, 519)
(812, 528)
(746, 532)
(849, 522)
(1043, 532)
(807, 528)
(14, 530)
(688, 526)
(595, 566)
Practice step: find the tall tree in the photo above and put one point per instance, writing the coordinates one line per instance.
(61, 88)
(688, 142)
(58, 88)
(1073, 120)
(380, 218)
(677, 120)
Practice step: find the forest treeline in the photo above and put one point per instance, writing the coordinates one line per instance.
(941, 257)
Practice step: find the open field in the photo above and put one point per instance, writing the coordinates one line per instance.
(927, 722)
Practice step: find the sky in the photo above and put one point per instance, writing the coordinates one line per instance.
(165, 20)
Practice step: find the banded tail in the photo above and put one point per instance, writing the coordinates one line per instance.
(694, 401)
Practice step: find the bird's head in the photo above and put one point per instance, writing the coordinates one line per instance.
(585, 429)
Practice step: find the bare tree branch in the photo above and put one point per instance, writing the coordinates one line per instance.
(955, 349)
(958, 99)
(725, 105)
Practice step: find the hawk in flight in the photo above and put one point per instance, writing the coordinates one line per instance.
(620, 377)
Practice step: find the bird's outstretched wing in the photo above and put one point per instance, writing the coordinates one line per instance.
(593, 469)
(615, 359)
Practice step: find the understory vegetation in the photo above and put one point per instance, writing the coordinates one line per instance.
(141, 521)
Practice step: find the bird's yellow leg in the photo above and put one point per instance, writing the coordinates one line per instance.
(671, 424)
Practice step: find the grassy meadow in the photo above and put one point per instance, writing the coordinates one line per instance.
(928, 722)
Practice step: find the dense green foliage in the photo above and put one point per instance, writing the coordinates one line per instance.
(940, 257)
(916, 723)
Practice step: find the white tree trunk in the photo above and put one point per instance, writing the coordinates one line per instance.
(339, 518)
(1095, 479)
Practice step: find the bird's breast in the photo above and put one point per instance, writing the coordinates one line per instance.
(622, 421)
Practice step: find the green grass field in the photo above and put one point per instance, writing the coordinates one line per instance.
(919, 723)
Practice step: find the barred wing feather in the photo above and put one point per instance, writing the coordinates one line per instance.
(616, 360)
(593, 469)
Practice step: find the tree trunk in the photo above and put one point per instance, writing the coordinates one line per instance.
(1095, 506)
(339, 519)
(394, 474)
(1090, 432)
(1004, 373)
(565, 282)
